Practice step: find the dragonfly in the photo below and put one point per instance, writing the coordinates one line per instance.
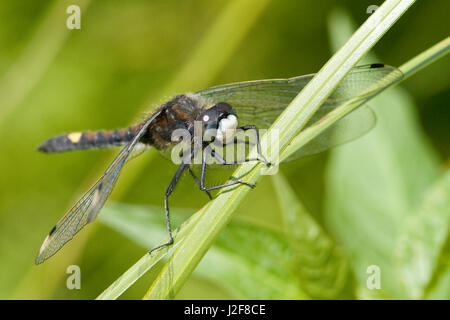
(225, 109)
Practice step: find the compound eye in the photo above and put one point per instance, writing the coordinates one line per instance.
(210, 115)
(223, 110)
(210, 119)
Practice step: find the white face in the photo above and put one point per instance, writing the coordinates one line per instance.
(227, 128)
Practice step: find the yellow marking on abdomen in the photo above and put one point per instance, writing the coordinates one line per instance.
(74, 137)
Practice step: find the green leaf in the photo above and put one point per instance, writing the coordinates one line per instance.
(396, 161)
(440, 288)
(423, 237)
(147, 261)
(320, 265)
(39, 53)
(241, 260)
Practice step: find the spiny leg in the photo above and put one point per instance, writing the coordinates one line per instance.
(198, 182)
(258, 144)
(206, 151)
(169, 190)
(236, 141)
(222, 161)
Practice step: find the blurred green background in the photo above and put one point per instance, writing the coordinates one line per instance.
(129, 57)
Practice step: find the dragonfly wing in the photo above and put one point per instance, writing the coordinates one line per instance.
(261, 102)
(87, 208)
(350, 127)
(257, 102)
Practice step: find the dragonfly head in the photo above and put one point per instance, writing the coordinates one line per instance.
(221, 120)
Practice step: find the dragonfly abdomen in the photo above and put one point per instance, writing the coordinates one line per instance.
(88, 140)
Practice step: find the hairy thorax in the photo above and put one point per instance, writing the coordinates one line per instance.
(179, 113)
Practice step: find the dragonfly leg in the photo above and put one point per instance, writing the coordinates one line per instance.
(206, 152)
(236, 141)
(169, 190)
(198, 182)
(258, 144)
(222, 161)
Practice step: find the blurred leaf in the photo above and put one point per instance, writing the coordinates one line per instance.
(44, 44)
(142, 224)
(377, 181)
(422, 239)
(147, 262)
(320, 265)
(241, 260)
(440, 288)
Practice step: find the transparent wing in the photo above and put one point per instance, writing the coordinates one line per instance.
(261, 102)
(88, 207)
(352, 126)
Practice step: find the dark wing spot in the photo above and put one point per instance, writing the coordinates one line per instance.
(376, 65)
(51, 231)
